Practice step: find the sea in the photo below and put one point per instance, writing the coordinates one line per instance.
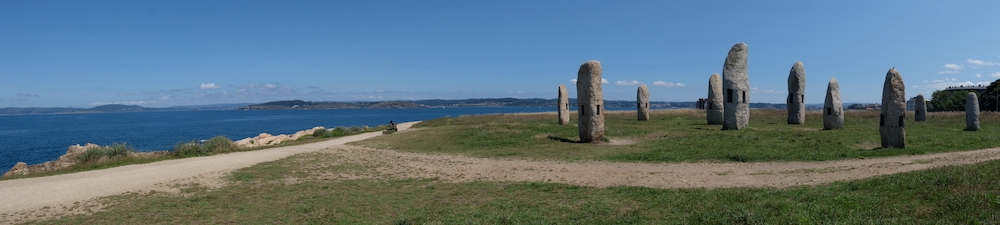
(36, 139)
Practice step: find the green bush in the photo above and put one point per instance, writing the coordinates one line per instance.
(94, 154)
(321, 133)
(218, 144)
(189, 149)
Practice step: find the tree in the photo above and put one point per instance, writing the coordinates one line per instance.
(988, 99)
(943, 100)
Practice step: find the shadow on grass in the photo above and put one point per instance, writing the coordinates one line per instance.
(560, 139)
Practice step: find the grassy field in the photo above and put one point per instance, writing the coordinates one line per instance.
(684, 135)
(299, 190)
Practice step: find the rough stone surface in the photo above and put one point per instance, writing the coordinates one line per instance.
(70, 158)
(796, 94)
(642, 102)
(920, 108)
(713, 109)
(265, 139)
(893, 116)
(736, 89)
(972, 112)
(833, 108)
(590, 97)
(563, 105)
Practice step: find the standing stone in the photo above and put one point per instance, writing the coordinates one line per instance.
(737, 87)
(833, 109)
(642, 101)
(796, 94)
(893, 116)
(972, 112)
(590, 97)
(563, 105)
(714, 106)
(920, 108)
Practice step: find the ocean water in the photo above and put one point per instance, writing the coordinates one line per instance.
(38, 138)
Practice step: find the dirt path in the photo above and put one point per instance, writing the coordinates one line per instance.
(454, 168)
(68, 190)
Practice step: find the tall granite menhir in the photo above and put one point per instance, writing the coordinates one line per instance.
(713, 110)
(833, 109)
(563, 105)
(737, 87)
(642, 102)
(920, 108)
(796, 94)
(893, 116)
(590, 97)
(972, 112)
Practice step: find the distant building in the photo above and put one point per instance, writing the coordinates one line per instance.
(979, 89)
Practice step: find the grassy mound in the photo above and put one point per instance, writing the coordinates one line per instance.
(684, 135)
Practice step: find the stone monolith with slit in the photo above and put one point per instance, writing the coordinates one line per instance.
(893, 116)
(736, 89)
(563, 105)
(642, 102)
(590, 99)
(714, 106)
(796, 94)
(920, 108)
(833, 109)
(972, 112)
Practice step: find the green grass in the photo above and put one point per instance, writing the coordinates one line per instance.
(262, 194)
(684, 135)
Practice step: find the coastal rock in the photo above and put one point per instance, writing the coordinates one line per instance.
(920, 108)
(796, 94)
(833, 109)
(20, 168)
(972, 112)
(70, 158)
(893, 115)
(265, 139)
(642, 102)
(736, 85)
(713, 109)
(590, 97)
(563, 105)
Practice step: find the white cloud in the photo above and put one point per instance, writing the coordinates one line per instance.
(980, 62)
(209, 86)
(667, 84)
(627, 82)
(603, 81)
(997, 74)
(952, 68)
(978, 75)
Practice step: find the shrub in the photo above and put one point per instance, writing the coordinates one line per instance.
(321, 133)
(189, 149)
(94, 154)
(220, 144)
(215, 145)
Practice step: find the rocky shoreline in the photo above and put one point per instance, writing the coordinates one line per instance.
(72, 155)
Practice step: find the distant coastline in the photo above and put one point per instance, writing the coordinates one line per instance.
(307, 105)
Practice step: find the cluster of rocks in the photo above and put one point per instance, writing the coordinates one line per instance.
(70, 158)
(265, 139)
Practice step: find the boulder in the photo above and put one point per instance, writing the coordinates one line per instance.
(642, 102)
(972, 112)
(893, 116)
(714, 106)
(833, 109)
(563, 105)
(796, 94)
(920, 108)
(736, 86)
(590, 98)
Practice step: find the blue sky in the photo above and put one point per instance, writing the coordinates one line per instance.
(167, 53)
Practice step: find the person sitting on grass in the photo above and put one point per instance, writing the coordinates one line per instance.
(392, 126)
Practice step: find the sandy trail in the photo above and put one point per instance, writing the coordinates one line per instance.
(22, 196)
(28, 194)
(454, 168)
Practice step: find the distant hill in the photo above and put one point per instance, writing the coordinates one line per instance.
(299, 104)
